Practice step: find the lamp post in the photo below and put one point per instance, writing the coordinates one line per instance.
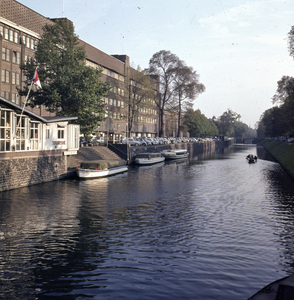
(127, 143)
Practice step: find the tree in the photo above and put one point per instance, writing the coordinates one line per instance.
(198, 125)
(227, 121)
(162, 65)
(186, 87)
(141, 96)
(69, 87)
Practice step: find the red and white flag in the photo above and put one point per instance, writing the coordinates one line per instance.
(36, 80)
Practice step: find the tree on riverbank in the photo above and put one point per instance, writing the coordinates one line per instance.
(279, 120)
(69, 87)
(179, 85)
(198, 125)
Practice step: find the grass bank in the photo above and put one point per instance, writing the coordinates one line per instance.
(282, 152)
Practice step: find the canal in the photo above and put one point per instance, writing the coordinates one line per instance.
(214, 227)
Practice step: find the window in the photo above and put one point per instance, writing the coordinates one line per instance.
(47, 133)
(17, 99)
(17, 82)
(110, 101)
(16, 37)
(5, 130)
(114, 102)
(3, 53)
(7, 54)
(3, 76)
(7, 74)
(122, 104)
(24, 39)
(36, 45)
(34, 130)
(13, 78)
(11, 35)
(6, 33)
(14, 57)
(20, 133)
(32, 44)
(28, 42)
(13, 98)
(60, 133)
(18, 58)
(1, 30)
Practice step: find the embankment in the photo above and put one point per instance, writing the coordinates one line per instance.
(282, 152)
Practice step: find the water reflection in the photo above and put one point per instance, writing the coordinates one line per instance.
(193, 229)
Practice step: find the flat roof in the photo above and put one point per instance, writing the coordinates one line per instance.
(18, 108)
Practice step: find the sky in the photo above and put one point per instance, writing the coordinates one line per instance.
(238, 48)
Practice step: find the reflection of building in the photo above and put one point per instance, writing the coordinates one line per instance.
(20, 30)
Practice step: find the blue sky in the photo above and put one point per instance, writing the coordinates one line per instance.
(239, 48)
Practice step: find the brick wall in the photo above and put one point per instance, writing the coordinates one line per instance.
(25, 171)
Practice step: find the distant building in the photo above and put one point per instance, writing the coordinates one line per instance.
(20, 31)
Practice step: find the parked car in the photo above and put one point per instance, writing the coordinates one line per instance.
(141, 141)
(130, 141)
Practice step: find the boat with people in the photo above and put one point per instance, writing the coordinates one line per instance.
(101, 168)
(148, 158)
(175, 153)
(251, 158)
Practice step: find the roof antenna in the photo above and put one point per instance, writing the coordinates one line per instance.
(123, 45)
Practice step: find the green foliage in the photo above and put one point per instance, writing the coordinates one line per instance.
(69, 87)
(282, 152)
(227, 122)
(198, 125)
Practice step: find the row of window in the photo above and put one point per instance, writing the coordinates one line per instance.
(14, 97)
(21, 132)
(112, 74)
(117, 90)
(7, 57)
(114, 102)
(5, 77)
(13, 36)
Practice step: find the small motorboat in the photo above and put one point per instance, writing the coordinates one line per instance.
(101, 168)
(148, 158)
(175, 154)
(251, 158)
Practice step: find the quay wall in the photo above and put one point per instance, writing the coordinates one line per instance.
(282, 152)
(128, 152)
(24, 169)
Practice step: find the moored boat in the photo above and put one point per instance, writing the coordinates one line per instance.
(175, 154)
(101, 168)
(148, 158)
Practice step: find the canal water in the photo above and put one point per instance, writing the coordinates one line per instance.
(214, 227)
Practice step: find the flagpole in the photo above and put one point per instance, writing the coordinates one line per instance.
(26, 99)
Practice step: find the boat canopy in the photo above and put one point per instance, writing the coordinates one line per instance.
(148, 155)
(103, 164)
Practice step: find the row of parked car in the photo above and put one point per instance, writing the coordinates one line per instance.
(163, 141)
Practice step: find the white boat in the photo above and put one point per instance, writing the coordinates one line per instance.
(148, 158)
(101, 168)
(175, 154)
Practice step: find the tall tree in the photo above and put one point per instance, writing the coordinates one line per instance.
(69, 87)
(227, 121)
(198, 125)
(162, 64)
(141, 97)
(186, 88)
